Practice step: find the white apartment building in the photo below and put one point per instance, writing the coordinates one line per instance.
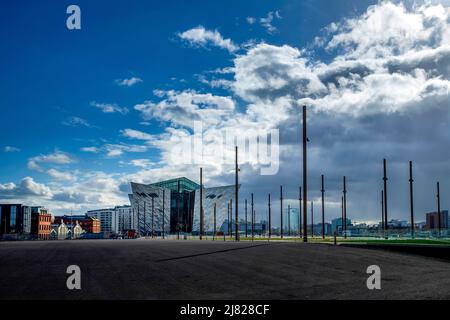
(115, 220)
(127, 220)
(109, 220)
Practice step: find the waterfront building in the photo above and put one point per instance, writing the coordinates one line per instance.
(181, 209)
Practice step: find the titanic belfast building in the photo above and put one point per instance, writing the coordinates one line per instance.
(174, 206)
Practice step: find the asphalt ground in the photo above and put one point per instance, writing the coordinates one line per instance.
(170, 269)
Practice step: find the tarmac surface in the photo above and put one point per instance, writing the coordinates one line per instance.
(170, 269)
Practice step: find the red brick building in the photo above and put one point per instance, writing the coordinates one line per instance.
(89, 224)
(41, 224)
(433, 220)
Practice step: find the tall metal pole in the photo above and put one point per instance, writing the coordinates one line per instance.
(153, 216)
(246, 220)
(439, 209)
(270, 219)
(382, 210)
(178, 210)
(281, 210)
(305, 180)
(312, 219)
(133, 221)
(145, 222)
(323, 209)
(231, 218)
(187, 219)
(345, 208)
(237, 197)
(189, 215)
(411, 199)
(215, 222)
(139, 218)
(254, 222)
(289, 219)
(201, 203)
(342, 215)
(164, 214)
(253, 217)
(300, 211)
(385, 198)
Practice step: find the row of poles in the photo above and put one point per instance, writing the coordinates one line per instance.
(384, 201)
(302, 201)
(305, 194)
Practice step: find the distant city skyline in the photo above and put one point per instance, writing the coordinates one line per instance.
(88, 111)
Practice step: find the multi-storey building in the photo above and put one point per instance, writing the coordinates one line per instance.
(433, 220)
(127, 220)
(41, 223)
(15, 219)
(109, 220)
(87, 223)
(174, 205)
(338, 224)
(291, 221)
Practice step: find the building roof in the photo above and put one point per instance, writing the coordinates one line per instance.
(79, 217)
(184, 183)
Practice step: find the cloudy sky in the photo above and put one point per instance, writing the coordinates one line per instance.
(84, 112)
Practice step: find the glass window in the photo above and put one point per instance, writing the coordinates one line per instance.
(13, 217)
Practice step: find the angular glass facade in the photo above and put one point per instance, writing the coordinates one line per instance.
(220, 196)
(181, 206)
(151, 207)
(177, 185)
(182, 196)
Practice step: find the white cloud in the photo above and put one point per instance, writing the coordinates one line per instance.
(7, 187)
(268, 71)
(266, 22)
(129, 82)
(11, 149)
(32, 165)
(90, 149)
(183, 108)
(76, 122)
(57, 157)
(110, 108)
(393, 29)
(251, 20)
(60, 175)
(112, 150)
(115, 150)
(27, 187)
(135, 134)
(199, 36)
(92, 190)
(141, 163)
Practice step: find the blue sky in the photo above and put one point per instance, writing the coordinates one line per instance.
(52, 74)
(57, 84)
